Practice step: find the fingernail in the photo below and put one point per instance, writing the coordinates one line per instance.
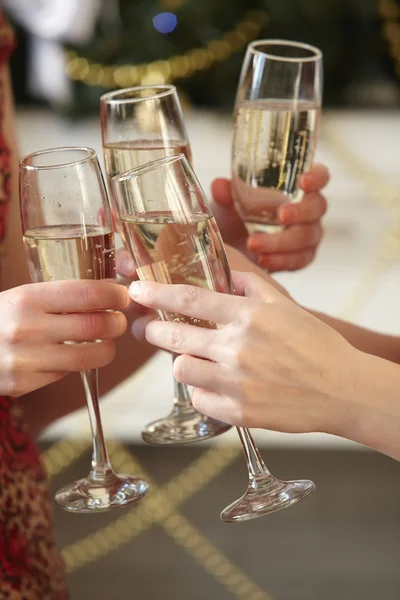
(128, 266)
(253, 245)
(134, 289)
(262, 261)
(288, 213)
(283, 212)
(307, 181)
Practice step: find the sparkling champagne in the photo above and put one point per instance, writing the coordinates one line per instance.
(63, 252)
(120, 157)
(174, 252)
(274, 144)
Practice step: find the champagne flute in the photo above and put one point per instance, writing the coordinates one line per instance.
(276, 120)
(68, 234)
(174, 238)
(140, 125)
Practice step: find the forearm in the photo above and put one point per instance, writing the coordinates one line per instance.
(370, 342)
(372, 404)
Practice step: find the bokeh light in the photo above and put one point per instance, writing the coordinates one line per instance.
(165, 22)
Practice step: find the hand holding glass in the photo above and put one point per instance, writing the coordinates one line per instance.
(174, 238)
(68, 234)
(276, 121)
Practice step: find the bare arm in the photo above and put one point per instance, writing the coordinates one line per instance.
(370, 342)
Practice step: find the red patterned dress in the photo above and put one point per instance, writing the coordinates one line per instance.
(30, 564)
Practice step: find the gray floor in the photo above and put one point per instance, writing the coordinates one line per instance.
(341, 543)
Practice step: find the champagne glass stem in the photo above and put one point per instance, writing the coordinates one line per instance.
(255, 464)
(182, 400)
(101, 466)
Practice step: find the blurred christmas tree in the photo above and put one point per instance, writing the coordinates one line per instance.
(199, 46)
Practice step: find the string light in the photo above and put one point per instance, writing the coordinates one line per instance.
(182, 66)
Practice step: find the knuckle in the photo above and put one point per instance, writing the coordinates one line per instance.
(61, 288)
(12, 363)
(15, 331)
(12, 384)
(176, 339)
(92, 326)
(251, 319)
(93, 355)
(91, 294)
(81, 358)
(242, 357)
(103, 325)
(226, 337)
(19, 298)
(187, 296)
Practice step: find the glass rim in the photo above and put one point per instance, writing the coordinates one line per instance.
(112, 97)
(316, 53)
(148, 167)
(91, 154)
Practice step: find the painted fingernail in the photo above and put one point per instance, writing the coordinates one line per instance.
(307, 180)
(289, 213)
(284, 213)
(134, 289)
(253, 245)
(262, 261)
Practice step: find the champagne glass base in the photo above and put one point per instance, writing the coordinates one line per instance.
(263, 498)
(89, 496)
(183, 428)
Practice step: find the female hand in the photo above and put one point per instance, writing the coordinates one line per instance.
(288, 250)
(268, 363)
(142, 315)
(36, 318)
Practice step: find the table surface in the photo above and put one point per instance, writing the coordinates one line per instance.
(356, 274)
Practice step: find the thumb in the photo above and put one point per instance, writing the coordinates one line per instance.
(254, 286)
